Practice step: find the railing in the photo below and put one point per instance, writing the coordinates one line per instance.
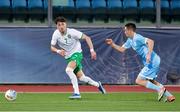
(49, 22)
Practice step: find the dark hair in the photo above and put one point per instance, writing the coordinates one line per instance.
(131, 26)
(60, 19)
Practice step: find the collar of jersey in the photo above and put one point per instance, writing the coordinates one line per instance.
(64, 32)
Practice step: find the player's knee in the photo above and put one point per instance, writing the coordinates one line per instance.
(69, 70)
(70, 73)
(81, 78)
(137, 81)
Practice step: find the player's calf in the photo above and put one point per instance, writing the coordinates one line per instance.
(88, 80)
(93, 83)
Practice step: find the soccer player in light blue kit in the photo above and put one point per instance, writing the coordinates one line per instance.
(144, 48)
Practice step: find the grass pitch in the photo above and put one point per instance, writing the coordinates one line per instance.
(89, 102)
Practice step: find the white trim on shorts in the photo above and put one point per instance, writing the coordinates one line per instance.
(144, 77)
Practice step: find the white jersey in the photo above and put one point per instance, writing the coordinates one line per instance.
(69, 41)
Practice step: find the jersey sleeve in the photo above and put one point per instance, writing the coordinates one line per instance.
(141, 39)
(54, 39)
(76, 34)
(127, 44)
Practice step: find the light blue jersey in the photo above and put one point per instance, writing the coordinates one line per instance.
(138, 43)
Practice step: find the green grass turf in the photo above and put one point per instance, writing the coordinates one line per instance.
(89, 102)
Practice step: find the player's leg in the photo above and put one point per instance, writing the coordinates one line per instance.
(146, 83)
(149, 73)
(80, 74)
(159, 84)
(143, 77)
(73, 63)
(70, 72)
(88, 80)
(169, 96)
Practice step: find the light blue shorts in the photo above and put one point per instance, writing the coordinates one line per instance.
(149, 73)
(150, 70)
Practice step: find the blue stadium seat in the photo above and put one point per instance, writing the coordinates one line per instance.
(175, 9)
(147, 10)
(83, 10)
(115, 9)
(64, 8)
(165, 10)
(57, 8)
(45, 3)
(99, 10)
(19, 8)
(5, 10)
(131, 10)
(36, 10)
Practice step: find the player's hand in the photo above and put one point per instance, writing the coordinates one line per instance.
(148, 57)
(109, 41)
(61, 52)
(93, 55)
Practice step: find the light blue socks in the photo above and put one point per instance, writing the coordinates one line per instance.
(150, 85)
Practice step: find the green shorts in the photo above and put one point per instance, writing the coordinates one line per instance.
(77, 57)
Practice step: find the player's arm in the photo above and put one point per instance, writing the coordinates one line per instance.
(150, 44)
(58, 51)
(90, 44)
(54, 49)
(115, 46)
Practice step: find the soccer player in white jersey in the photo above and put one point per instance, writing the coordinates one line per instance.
(144, 48)
(69, 46)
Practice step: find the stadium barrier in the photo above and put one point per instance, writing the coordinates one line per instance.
(25, 56)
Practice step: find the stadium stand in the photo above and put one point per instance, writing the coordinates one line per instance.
(57, 9)
(36, 10)
(5, 10)
(90, 10)
(45, 4)
(19, 10)
(175, 9)
(115, 10)
(83, 10)
(65, 8)
(147, 10)
(131, 10)
(99, 10)
(165, 10)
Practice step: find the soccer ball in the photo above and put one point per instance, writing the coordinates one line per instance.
(10, 95)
